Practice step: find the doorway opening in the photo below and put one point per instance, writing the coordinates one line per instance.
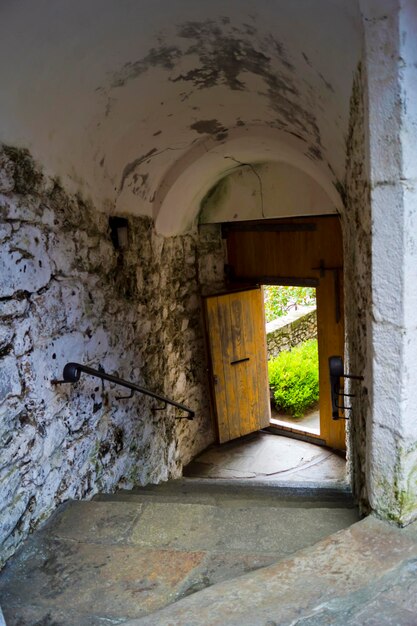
(293, 360)
(296, 252)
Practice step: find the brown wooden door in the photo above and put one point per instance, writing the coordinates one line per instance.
(237, 343)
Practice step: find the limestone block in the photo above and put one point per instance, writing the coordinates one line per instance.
(102, 257)
(23, 341)
(21, 208)
(10, 479)
(25, 441)
(13, 308)
(98, 344)
(55, 435)
(74, 415)
(5, 231)
(24, 264)
(180, 385)
(10, 384)
(7, 169)
(61, 250)
(48, 312)
(15, 510)
(6, 336)
(47, 216)
(73, 304)
(60, 350)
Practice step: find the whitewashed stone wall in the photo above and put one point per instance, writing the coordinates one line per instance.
(358, 288)
(290, 331)
(391, 66)
(66, 295)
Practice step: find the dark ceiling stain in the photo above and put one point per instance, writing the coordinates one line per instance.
(315, 153)
(306, 59)
(225, 54)
(227, 59)
(296, 135)
(249, 29)
(130, 167)
(158, 132)
(140, 186)
(328, 85)
(209, 127)
(164, 56)
(329, 165)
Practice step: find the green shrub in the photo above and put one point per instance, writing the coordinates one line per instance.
(294, 378)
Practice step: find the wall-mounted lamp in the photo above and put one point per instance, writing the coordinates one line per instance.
(119, 232)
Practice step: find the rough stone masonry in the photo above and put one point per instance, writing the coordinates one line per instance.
(67, 294)
(287, 332)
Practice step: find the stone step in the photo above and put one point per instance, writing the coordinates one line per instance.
(216, 492)
(226, 526)
(238, 499)
(365, 574)
(125, 555)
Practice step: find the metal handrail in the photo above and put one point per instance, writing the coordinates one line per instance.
(72, 373)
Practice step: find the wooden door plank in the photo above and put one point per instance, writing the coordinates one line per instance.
(236, 333)
(330, 341)
(217, 364)
(258, 318)
(245, 371)
(253, 254)
(254, 382)
(232, 351)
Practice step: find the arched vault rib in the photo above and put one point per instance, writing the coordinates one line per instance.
(179, 194)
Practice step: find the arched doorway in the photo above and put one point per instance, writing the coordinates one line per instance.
(296, 251)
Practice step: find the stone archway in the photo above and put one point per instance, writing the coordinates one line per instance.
(178, 198)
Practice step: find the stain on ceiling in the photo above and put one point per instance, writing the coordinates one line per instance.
(111, 99)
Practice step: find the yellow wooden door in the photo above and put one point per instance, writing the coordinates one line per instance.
(237, 344)
(330, 334)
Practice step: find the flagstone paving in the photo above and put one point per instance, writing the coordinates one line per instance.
(130, 554)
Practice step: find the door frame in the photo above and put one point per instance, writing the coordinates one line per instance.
(298, 433)
(322, 268)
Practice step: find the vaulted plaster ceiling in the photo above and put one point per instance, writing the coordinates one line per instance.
(143, 105)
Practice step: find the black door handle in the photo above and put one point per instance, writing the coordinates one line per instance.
(239, 361)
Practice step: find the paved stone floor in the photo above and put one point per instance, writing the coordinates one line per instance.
(365, 575)
(243, 550)
(267, 457)
(310, 422)
(130, 554)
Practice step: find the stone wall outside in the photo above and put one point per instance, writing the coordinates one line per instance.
(66, 294)
(291, 334)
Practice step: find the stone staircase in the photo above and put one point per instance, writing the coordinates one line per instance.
(204, 552)
(129, 554)
(198, 552)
